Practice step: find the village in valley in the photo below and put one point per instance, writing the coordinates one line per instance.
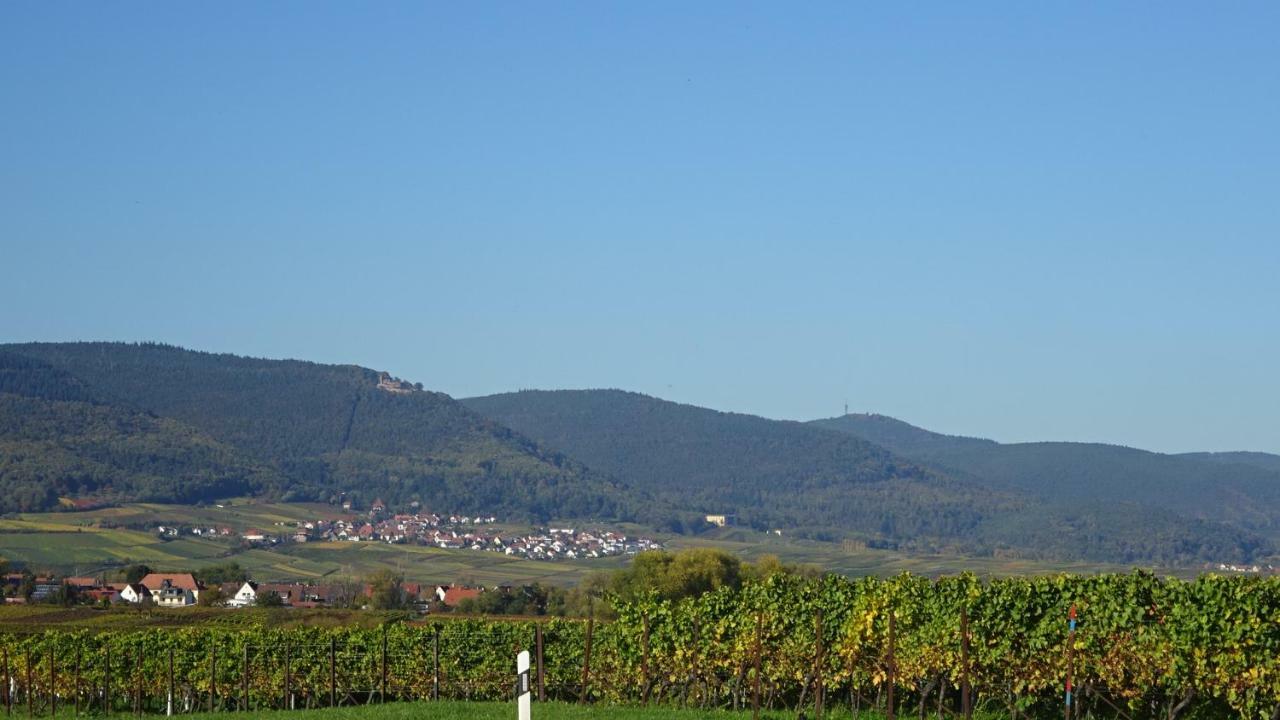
(454, 532)
(480, 533)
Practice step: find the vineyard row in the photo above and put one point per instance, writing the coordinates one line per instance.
(1143, 647)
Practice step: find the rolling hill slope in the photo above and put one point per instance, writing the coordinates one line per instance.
(329, 429)
(1265, 461)
(827, 483)
(121, 421)
(57, 441)
(1222, 487)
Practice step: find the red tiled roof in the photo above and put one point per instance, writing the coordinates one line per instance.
(185, 581)
(455, 595)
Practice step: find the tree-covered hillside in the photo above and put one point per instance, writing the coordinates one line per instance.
(113, 421)
(1205, 487)
(768, 473)
(331, 431)
(1266, 461)
(57, 442)
(900, 437)
(809, 479)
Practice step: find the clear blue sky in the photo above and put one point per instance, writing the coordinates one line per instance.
(1017, 220)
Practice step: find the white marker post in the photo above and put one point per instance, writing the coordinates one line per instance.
(523, 689)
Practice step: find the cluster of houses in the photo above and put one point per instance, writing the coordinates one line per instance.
(1235, 568)
(549, 544)
(161, 589)
(249, 594)
(459, 532)
(183, 590)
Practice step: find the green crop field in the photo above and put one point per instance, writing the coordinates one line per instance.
(858, 561)
(428, 564)
(89, 541)
(70, 547)
(237, 514)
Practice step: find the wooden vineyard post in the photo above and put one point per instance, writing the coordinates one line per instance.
(244, 679)
(818, 687)
(586, 657)
(31, 688)
(8, 699)
(168, 704)
(693, 664)
(435, 664)
(892, 669)
(1071, 637)
(755, 689)
(333, 672)
(137, 685)
(30, 694)
(966, 702)
(382, 689)
(76, 683)
(644, 659)
(537, 642)
(53, 684)
(106, 680)
(288, 693)
(213, 674)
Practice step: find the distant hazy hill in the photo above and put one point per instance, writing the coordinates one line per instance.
(327, 429)
(1235, 488)
(801, 476)
(1266, 461)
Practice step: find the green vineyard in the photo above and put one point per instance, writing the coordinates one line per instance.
(1144, 647)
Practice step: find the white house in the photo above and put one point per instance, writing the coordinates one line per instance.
(172, 589)
(134, 593)
(170, 595)
(246, 596)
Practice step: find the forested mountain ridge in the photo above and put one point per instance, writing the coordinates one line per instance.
(330, 429)
(58, 441)
(811, 479)
(1265, 461)
(770, 474)
(1234, 488)
(900, 437)
(114, 422)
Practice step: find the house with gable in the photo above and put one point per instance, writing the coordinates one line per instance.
(245, 596)
(134, 593)
(172, 589)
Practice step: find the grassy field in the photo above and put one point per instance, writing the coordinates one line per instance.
(749, 545)
(86, 542)
(237, 514)
(428, 564)
(47, 544)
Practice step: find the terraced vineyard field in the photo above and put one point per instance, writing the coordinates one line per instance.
(84, 542)
(48, 545)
